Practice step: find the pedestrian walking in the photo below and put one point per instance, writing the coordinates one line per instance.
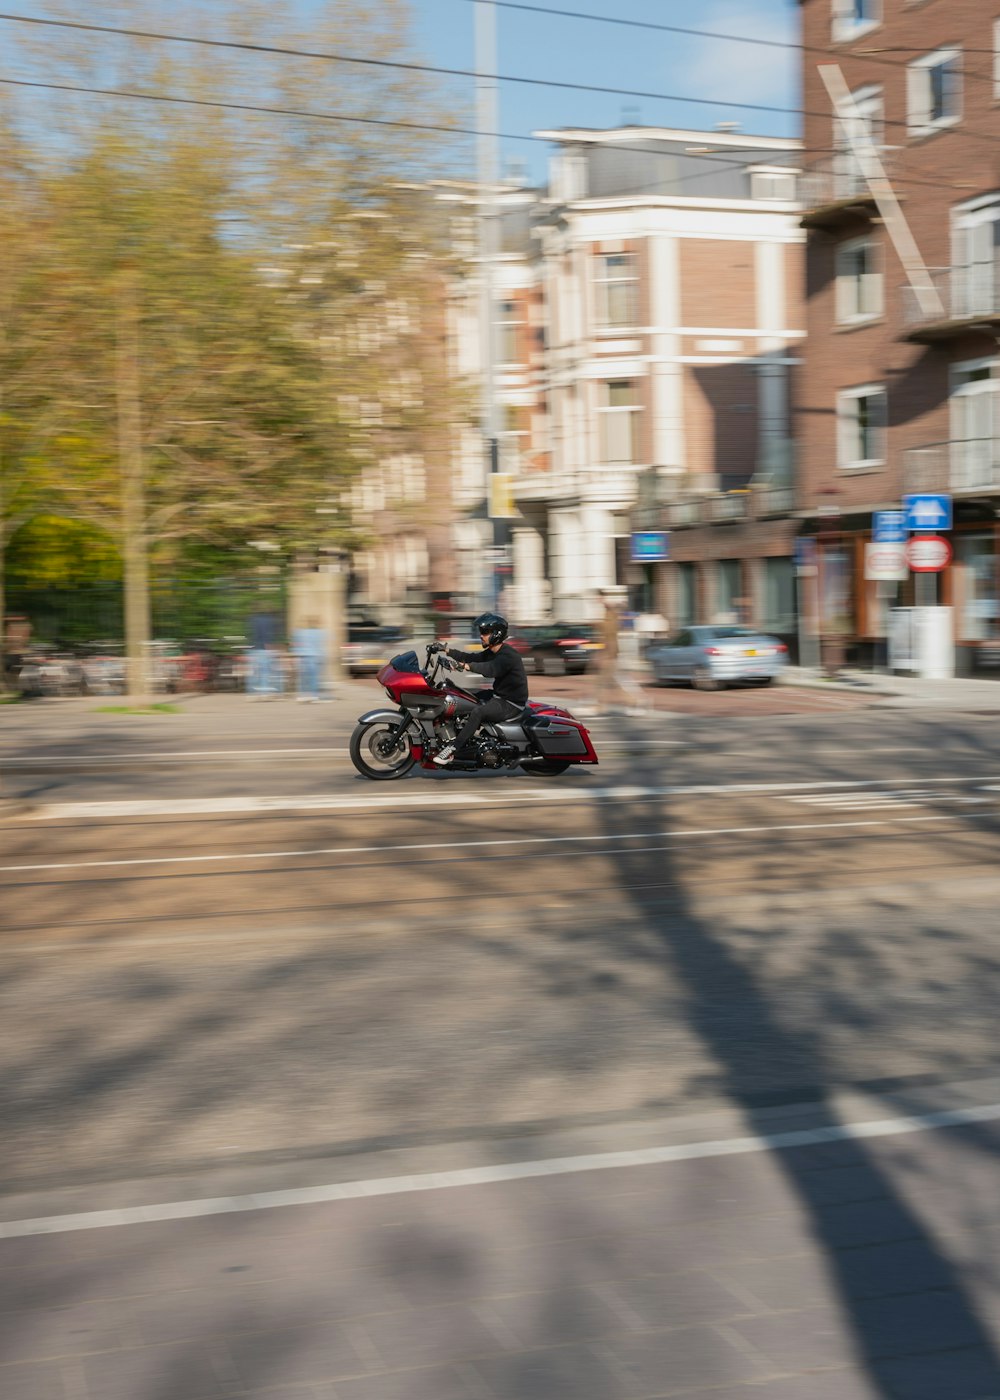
(609, 684)
(263, 676)
(309, 652)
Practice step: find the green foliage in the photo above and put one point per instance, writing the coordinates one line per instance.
(50, 551)
(278, 271)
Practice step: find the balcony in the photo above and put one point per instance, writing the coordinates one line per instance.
(683, 513)
(731, 506)
(774, 500)
(968, 299)
(835, 192)
(959, 467)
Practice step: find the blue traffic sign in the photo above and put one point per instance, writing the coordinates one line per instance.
(805, 552)
(889, 527)
(928, 512)
(650, 546)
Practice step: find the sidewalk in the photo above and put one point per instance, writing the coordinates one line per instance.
(910, 692)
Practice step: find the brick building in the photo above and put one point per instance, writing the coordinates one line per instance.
(898, 392)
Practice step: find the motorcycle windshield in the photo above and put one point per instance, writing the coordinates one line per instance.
(406, 662)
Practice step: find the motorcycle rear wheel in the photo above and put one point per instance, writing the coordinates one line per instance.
(373, 754)
(544, 767)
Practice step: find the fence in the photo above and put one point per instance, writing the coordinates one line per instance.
(182, 610)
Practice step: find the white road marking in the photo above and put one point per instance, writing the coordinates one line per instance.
(395, 849)
(499, 1172)
(151, 756)
(868, 801)
(441, 792)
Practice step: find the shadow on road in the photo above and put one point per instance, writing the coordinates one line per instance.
(921, 1322)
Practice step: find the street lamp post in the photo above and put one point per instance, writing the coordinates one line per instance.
(487, 105)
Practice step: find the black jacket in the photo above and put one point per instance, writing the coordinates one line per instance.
(504, 667)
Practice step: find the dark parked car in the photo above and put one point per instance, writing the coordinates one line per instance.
(558, 649)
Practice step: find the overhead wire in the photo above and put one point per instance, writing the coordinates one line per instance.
(409, 66)
(441, 129)
(709, 33)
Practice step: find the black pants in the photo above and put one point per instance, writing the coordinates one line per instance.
(493, 709)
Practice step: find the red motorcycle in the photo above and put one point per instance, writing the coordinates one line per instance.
(542, 739)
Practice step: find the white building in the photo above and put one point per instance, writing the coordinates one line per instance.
(670, 263)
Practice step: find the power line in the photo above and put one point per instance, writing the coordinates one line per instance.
(714, 34)
(394, 63)
(719, 163)
(246, 46)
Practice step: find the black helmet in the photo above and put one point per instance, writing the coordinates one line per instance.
(495, 625)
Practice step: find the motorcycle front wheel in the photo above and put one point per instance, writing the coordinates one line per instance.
(379, 752)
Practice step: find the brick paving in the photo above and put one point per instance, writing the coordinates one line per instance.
(810, 1275)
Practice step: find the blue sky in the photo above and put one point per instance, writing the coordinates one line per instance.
(544, 46)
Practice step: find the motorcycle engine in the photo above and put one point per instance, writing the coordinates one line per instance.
(492, 753)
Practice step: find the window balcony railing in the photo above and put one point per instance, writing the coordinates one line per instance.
(683, 512)
(835, 191)
(961, 296)
(774, 500)
(731, 506)
(962, 465)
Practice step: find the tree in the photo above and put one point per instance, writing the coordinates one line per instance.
(174, 375)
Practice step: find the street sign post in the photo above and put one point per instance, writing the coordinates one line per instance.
(805, 556)
(928, 511)
(885, 563)
(928, 554)
(889, 527)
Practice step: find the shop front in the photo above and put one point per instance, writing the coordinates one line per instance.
(851, 613)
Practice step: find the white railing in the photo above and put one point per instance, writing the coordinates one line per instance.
(837, 178)
(774, 500)
(966, 464)
(728, 507)
(683, 513)
(963, 292)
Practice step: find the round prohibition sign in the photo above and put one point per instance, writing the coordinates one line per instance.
(928, 554)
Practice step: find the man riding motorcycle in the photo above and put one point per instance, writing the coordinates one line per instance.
(504, 666)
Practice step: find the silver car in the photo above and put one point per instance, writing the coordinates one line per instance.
(711, 657)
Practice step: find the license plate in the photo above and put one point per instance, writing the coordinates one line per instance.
(750, 652)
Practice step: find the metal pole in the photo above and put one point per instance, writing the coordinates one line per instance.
(487, 119)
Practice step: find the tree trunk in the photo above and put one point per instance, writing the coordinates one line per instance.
(437, 448)
(135, 555)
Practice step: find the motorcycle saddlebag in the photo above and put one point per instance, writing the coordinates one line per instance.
(558, 737)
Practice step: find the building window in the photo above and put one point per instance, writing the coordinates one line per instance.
(854, 17)
(685, 602)
(975, 287)
(779, 595)
(617, 288)
(867, 125)
(975, 426)
(728, 591)
(618, 420)
(977, 597)
(773, 184)
(934, 91)
(861, 421)
(508, 332)
(859, 281)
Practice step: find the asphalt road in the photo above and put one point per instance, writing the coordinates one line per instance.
(274, 977)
